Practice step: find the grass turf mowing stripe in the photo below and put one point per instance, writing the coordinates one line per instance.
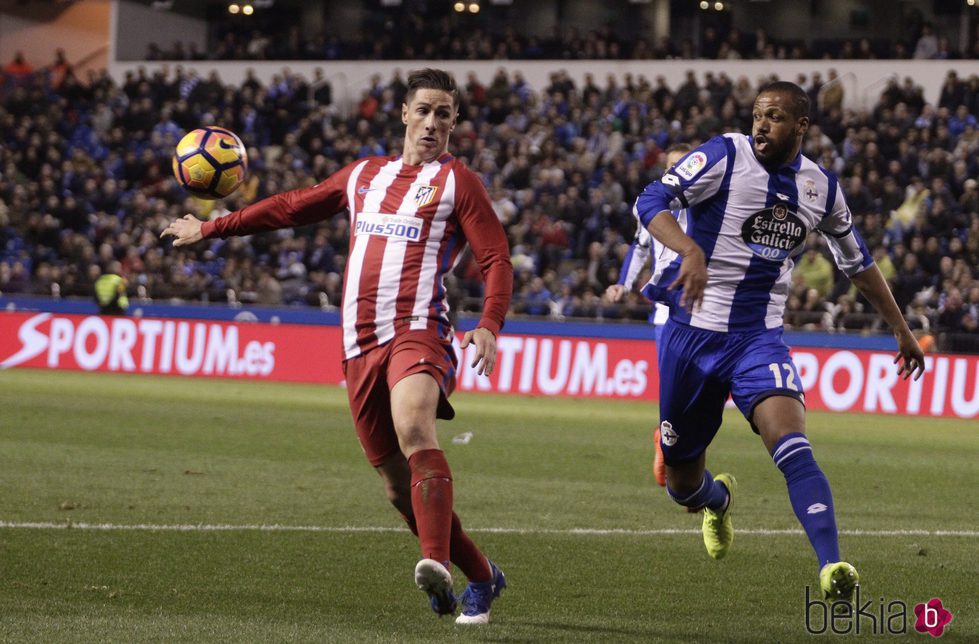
(26, 525)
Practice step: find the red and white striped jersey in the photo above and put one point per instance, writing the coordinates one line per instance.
(408, 226)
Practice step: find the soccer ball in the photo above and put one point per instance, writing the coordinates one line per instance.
(210, 162)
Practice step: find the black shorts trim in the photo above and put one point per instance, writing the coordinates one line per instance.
(445, 410)
(789, 393)
(675, 462)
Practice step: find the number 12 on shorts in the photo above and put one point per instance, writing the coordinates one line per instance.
(789, 380)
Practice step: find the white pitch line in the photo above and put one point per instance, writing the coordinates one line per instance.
(188, 527)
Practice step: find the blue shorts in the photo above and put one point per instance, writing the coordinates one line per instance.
(699, 369)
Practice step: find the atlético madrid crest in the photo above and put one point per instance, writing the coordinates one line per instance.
(425, 195)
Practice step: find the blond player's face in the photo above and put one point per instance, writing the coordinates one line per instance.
(672, 158)
(429, 118)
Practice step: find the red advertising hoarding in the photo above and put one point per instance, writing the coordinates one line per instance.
(286, 352)
(833, 379)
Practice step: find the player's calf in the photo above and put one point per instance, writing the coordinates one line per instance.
(810, 494)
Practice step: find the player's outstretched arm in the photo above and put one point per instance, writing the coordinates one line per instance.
(186, 230)
(910, 358)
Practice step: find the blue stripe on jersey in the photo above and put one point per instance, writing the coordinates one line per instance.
(831, 190)
(443, 269)
(704, 226)
(749, 307)
(868, 259)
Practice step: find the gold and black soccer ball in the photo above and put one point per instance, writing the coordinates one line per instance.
(210, 162)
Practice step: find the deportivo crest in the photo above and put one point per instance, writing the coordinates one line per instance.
(425, 194)
(810, 190)
(667, 434)
(692, 165)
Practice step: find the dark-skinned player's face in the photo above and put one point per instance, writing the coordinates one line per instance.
(776, 131)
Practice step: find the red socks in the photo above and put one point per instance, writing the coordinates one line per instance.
(467, 556)
(437, 526)
(431, 501)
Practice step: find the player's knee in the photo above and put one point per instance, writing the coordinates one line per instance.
(416, 434)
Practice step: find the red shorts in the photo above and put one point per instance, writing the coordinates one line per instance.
(370, 377)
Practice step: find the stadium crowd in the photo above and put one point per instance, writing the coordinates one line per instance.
(86, 186)
(417, 35)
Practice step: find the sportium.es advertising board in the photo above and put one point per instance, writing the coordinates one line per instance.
(850, 380)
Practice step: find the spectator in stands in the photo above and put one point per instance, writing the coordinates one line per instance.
(18, 70)
(58, 69)
(952, 312)
(927, 45)
(831, 94)
(814, 271)
(110, 291)
(320, 90)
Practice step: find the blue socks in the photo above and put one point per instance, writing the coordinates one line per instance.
(809, 492)
(710, 495)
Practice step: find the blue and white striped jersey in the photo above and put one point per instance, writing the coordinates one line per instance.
(751, 223)
(644, 245)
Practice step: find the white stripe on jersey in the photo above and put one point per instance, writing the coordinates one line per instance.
(429, 270)
(392, 266)
(372, 203)
(779, 296)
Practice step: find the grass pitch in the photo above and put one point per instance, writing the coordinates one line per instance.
(167, 509)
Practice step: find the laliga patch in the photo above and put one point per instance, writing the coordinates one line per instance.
(667, 434)
(424, 195)
(692, 165)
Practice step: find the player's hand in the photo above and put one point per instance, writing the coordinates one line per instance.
(615, 292)
(692, 278)
(485, 341)
(910, 359)
(186, 230)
